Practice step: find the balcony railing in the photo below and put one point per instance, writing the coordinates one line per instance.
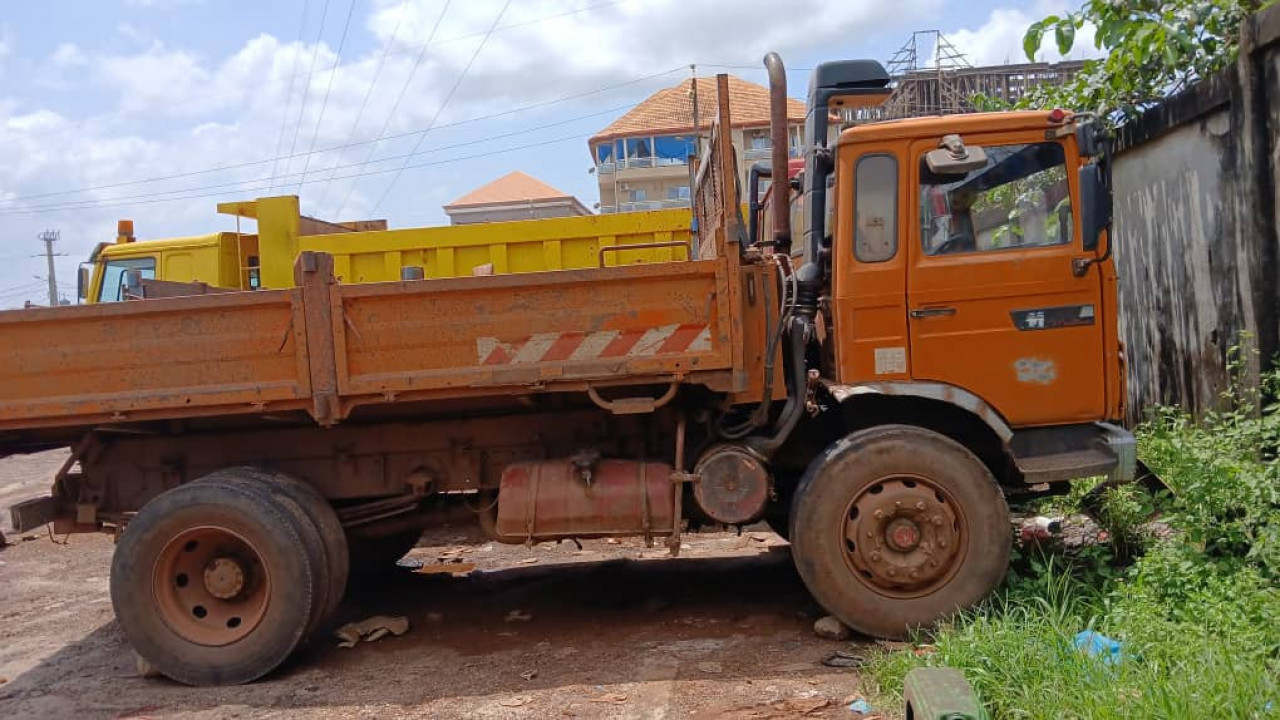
(607, 168)
(644, 205)
(637, 163)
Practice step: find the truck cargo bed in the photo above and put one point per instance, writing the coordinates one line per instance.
(327, 347)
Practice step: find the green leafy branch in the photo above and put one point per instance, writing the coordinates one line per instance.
(1152, 50)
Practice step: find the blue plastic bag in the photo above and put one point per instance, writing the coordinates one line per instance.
(1095, 644)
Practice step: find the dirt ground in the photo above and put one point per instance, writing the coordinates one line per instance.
(613, 630)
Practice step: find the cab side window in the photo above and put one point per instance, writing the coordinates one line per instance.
(115, 276)
(1019, 200)
(875, 208)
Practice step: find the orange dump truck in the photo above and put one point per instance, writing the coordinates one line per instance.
(941, 343)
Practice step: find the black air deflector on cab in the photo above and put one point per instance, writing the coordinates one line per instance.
(829, 79)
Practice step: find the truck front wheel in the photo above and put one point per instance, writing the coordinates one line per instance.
(896, 527)
(208, 584)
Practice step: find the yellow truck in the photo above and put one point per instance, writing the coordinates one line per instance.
(366, 251)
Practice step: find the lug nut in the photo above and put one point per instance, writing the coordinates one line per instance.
(875, 557)
(919, 504)
(891, 572)
(937, 519)
(878, 514)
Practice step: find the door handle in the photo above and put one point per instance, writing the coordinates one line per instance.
(933, 312)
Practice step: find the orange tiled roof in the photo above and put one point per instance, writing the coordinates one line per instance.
(671, 110)
(513, 187)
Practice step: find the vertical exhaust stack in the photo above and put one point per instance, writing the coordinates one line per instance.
(778, 135)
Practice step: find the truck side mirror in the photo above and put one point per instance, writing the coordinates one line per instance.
(1095, 202)
(955, 158)
(1090, 138)
(82, 284)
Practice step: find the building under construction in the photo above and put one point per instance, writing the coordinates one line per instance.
(931, 77)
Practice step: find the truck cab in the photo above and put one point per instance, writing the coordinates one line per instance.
(979, 276)
(963, 260)
(215, 259)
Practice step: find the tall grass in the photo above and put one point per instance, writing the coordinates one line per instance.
(1198, 611)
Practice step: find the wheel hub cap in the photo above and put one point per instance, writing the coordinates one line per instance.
(210, 585)
(903, 536)
(224, 578)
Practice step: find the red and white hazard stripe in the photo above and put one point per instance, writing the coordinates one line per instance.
(577, 346)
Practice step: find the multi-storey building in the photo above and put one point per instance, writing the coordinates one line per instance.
(642, 158)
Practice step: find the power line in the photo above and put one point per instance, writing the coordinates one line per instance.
(396, 106)
(332, 73)
(90, 204)
(273, 83)
(288, 97)
(445, 103)
(306, 88)
(566, 138)
(252, 163)
(364, 103)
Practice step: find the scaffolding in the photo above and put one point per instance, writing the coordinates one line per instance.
(931, 77)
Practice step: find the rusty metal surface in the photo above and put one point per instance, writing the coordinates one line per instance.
(313, 274)
(241, 353)
(145, 289)
(565, 498)
(930, 390)
(225, 353)
(361, 460)
(733, 485)
(778, 138)
(535, 329)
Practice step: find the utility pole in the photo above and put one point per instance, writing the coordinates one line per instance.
(49, 237)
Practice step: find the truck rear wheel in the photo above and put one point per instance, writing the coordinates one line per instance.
(207, 586)
(896, 527)
(333, 539)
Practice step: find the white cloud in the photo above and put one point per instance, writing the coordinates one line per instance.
(177, 110)
(36, 122)
(999, 40)
(68, 55)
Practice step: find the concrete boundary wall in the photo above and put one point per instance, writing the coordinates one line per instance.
(1196, 230)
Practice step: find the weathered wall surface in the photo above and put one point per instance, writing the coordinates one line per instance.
(1196, 231)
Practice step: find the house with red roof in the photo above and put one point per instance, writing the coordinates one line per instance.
(514, 196)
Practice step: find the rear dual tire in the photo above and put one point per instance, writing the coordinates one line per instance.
(217, 582)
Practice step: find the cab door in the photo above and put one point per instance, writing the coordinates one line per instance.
(995, 304)
(869, 264)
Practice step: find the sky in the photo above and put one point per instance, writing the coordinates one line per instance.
(157, 110)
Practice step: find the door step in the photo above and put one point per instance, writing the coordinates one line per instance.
(1088, 462)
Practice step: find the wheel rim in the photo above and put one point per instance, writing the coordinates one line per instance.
(211, 585)
(904, 536)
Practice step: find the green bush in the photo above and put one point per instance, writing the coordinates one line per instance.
(1197, 607)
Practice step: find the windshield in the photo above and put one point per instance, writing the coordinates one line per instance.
(115, 276)
(1020, 199)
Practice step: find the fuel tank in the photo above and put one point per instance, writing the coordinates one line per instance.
(569, 498)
